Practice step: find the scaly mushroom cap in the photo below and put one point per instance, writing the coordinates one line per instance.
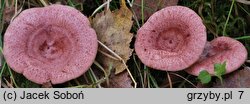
(172, 39)
(53, 43)
(219, 50)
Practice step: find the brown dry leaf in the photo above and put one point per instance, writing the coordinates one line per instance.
(151, 6)
(121, 80)
(237, 79)
(113, 30)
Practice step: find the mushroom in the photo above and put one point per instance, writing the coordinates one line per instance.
(219, 50)
(50, 44)
(172, 39)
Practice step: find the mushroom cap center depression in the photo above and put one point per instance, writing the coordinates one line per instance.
(170, 40)
(49, 44)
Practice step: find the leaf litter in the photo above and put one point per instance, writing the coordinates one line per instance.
(113, 30)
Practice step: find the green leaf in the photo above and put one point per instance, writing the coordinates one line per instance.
(219, 70)
(204, 77)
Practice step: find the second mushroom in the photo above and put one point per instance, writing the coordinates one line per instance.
(220, 50)
(172, 39)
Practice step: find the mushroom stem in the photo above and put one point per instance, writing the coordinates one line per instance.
(116, 55)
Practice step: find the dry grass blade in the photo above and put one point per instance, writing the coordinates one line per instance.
(122, 80)
(9, 84)
(184, 79)
(114, 37)
(44, 3)
(248, 61)
(107, 48)
(16, 10)
(3, 85)
(130, 2)
(106, 54)
(117, 56)
(169, 80)
(100, 7)
(247, 2)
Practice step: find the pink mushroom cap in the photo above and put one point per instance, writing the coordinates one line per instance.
(172, 39)
(50, 44)
(219, 50)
